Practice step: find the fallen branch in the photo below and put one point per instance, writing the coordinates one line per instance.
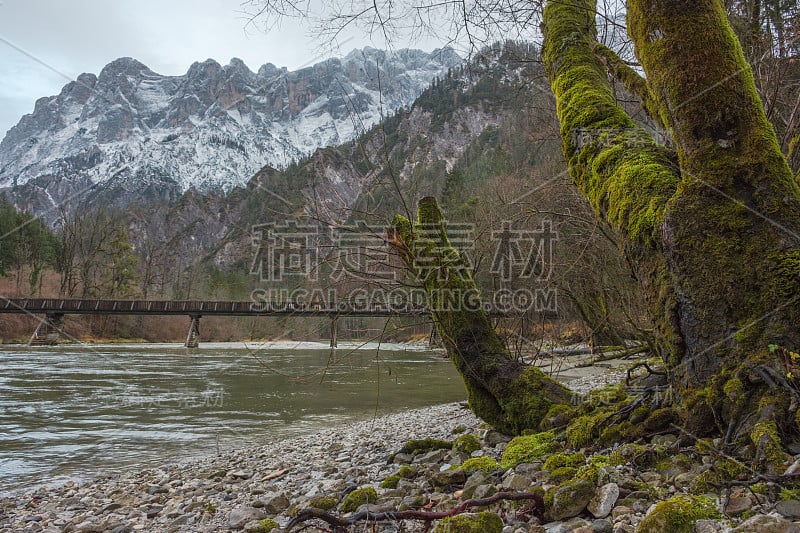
(340, 524)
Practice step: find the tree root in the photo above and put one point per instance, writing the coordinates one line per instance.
(340, 524)
(650, 371)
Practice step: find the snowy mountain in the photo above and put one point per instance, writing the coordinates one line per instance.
(144, 135)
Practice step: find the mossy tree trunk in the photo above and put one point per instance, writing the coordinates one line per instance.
(509, 395)
(711, 229)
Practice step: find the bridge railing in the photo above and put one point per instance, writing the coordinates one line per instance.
(197, 307)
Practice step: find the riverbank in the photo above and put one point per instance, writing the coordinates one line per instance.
(245, 489)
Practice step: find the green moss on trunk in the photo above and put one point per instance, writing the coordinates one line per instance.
(712, 231)
(510, 396)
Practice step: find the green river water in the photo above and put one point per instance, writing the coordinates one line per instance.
(76, 412)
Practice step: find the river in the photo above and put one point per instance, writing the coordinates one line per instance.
(75, 412)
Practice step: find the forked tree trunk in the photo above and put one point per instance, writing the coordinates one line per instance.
(712, 230)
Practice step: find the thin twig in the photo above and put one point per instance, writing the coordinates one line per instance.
(427, 516)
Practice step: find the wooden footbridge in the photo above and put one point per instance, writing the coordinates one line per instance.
(51, 327)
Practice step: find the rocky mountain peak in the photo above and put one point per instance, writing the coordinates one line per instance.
(211, 129)
(124, 66)
(238, 65)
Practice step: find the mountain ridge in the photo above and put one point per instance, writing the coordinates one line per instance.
(210, 129)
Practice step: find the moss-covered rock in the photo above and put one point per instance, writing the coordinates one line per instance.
(568, 499)
(448, 478)
(268, 524)
(558, 460)
(769, 453)
(390, 482)
(678, 514)
(590, 473)
(466, 444)
(557, 416)
(529, 448)
(722, 472)
(323, 502)
(483, 464)
(625, 454)
(358, 498)
(484, 522)
(418, 446)
(660, 419)
(407, 472)
(584, 430)
(562, 474)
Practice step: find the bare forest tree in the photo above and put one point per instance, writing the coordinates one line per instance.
(97, 256)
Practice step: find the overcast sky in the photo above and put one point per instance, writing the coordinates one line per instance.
(44, 44)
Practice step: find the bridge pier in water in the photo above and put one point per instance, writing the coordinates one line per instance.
(433, 340)
(334, 341)
(193, 337)
(48, 332)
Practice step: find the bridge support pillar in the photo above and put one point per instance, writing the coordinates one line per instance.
(193, 337)
(433, 340)
(334, 340)
(48, 332)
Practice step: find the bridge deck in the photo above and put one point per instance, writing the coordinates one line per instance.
(204, 308)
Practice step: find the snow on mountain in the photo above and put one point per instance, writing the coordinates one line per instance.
(211, 129)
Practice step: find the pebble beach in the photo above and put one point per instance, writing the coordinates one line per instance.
(260, 488)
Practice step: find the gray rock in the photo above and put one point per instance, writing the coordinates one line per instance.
(156, 489)
(242, 515)
(91, 527)
(601, 526)
(277, 504)
(528, 469)
(414, 502)
(707, 526)
(571, 499)
(788, 508)
(624, 528)
(650, 477)
(110, 507)
(565, 527)
(402, 459)
(619, 511)
(793, 468)
(516, 482)
(376, 507)
(738, 504)
(603, 501)
(152, 511)
(493, 438)
(766, 524)
(664, 440)
(475, 480)
(608, 474)
(435, 456)
(484, 491)
(449, 477)
(684, 481)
